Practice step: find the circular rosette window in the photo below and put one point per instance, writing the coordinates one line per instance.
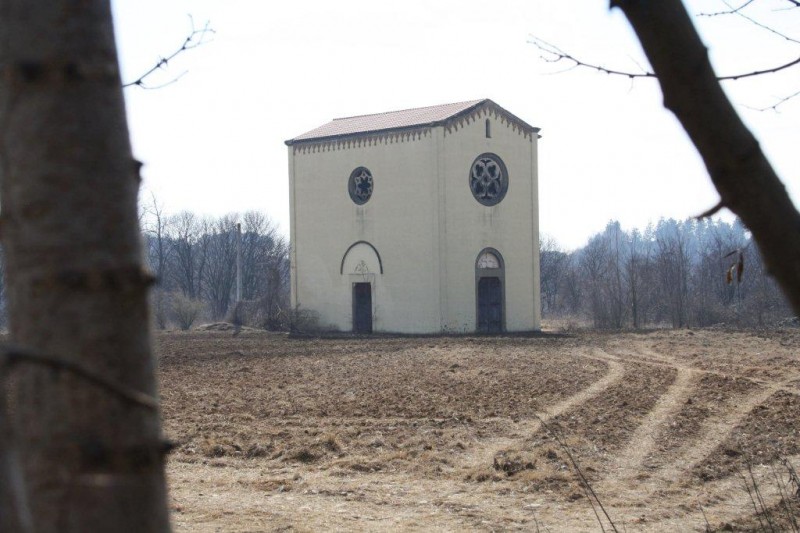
(360, 185)
(488, 179)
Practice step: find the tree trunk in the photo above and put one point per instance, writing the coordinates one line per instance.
(92, 461)
(745, 180)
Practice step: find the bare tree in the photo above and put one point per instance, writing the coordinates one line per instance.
(633, 263)
(188, 245)
(157, 244)
(157, 228)
(219, 277)
(615, 290)
(194, 257)
(594, 267)
(77, 292)
(553, 269)
(673, 268)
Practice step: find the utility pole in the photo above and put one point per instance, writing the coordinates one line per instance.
(238, 262)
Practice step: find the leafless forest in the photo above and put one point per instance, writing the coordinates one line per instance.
(194, 260)
(671, 274)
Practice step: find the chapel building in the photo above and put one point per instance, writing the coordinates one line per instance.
(417, 221)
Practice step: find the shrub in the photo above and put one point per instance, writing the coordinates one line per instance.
(185, 310)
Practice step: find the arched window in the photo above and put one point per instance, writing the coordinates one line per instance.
(488, 129)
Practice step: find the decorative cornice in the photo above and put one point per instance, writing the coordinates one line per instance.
(488, 109)
(396, 136)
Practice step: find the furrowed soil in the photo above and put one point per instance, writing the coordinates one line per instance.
(688, 430)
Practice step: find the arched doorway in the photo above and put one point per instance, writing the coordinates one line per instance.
(490, 291)
(360, 263)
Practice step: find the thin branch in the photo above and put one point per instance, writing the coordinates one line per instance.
(11, 355)
(591, 495)
(774, 107)
(553, 54)
(710, 212)
(708, 526)
(763, 26)
(784, 501)
(738, 11)
(170, 82)
(752, 499)
(760, 72)
(727, 12)
(793, 477)
(764, 509)
(193, 40)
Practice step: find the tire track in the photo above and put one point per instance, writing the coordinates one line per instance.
(486, 453)
(715, 431)
(712, 433)
(724, 500)
(614, 374)
(649, 356)
(628, 462)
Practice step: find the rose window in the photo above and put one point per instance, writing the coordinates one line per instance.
(488, 179)
(360, 185)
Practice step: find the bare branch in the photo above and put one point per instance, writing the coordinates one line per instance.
(710, 212)
(774, 107)
(170, 82)
(193, 40)
(10, 355)
(728, 11)
(591, 495)
(555, 55)
(760, 72)
(708, 526)
(762, 26)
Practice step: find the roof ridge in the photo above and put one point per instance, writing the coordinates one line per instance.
(405, 119)
(471, 102)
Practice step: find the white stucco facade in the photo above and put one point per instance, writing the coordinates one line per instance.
(418, 237)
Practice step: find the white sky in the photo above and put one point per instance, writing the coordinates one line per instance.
(213, 142)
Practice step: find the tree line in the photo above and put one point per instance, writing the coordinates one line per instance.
(194, 261)
(673, 273)
(689, 273)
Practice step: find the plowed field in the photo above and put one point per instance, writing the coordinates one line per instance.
(669, 428)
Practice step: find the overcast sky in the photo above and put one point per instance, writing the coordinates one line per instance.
(213, 141)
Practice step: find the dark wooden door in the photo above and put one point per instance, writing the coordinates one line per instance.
(490, 305)
(362, 308)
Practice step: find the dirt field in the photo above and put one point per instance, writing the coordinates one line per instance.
(443, 434)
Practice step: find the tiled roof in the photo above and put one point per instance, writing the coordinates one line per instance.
(392, 120)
